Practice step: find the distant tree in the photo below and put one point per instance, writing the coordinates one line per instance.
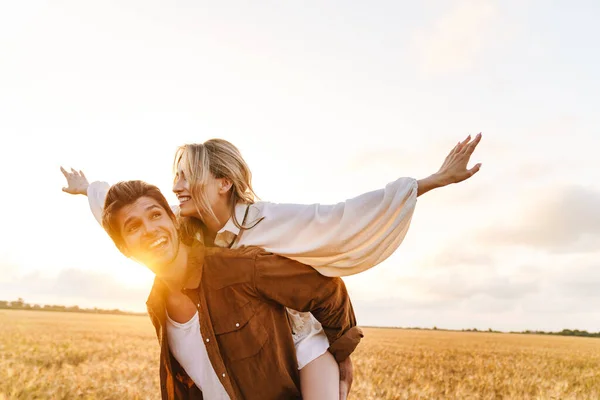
(18, 303)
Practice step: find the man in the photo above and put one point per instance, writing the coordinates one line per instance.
(239, 297)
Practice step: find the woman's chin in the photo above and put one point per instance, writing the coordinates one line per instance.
(185, 211)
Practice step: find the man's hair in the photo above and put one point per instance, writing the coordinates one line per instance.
(123, 194)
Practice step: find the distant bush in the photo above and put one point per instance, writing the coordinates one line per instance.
(21, 305)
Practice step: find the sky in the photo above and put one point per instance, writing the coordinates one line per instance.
(325, 100)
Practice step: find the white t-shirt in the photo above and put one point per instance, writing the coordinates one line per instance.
(186, 345)
(337, 240)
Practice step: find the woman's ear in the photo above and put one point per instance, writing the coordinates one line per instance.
(224, 185)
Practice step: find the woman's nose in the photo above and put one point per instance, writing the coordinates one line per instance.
(177, 186)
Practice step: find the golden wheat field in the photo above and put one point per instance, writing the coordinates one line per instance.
(52, 355)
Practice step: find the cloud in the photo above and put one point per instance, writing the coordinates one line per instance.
(463, 283)
(579, 282)
(508, 290)
(460, 254)
(570, 287)
(561, 220)
(455, 40)
(6, 272)
(92, 285)
(395, 158)
(75, 287)
(534, 298)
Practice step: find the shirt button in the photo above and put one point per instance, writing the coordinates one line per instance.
(237, 325)
(198, 305)
(223, 374)
(207, 339)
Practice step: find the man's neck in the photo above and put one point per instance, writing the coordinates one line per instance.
(181, 274)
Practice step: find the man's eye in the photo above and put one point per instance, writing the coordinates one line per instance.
(132, 228)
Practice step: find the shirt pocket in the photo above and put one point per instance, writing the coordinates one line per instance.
(240, 332)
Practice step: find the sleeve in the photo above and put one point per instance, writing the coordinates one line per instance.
(96, 195)
(300, 287)
(341, 239)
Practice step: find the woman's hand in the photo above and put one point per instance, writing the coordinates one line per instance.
(77, 183)
(454, 169)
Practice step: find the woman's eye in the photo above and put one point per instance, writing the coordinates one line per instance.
(156, 215)
(132, 228)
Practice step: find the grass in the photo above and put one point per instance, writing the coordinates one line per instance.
(53, 355)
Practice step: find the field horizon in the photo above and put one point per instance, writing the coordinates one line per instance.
(97, 356)
(6, 305)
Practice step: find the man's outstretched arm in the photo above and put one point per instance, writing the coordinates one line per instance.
(300, 287)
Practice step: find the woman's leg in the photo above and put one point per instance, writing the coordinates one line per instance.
(320, 379)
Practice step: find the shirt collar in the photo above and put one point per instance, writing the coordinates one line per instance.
(156, 300)
(240, 210)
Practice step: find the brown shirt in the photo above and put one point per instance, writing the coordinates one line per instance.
(241, 304)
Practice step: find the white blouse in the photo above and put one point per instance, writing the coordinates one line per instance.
(337, 240)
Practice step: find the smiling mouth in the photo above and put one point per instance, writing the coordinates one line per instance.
(183, 199)
(158, 243)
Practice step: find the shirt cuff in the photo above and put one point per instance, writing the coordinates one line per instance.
(346, 344)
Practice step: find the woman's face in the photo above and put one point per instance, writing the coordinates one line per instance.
(182, 189)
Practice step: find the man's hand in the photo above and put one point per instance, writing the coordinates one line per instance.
(454, 169)
(346, 376)
(77, 183)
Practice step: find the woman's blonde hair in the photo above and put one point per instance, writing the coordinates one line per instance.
(221, 159)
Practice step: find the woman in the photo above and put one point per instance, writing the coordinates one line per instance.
(217, 205)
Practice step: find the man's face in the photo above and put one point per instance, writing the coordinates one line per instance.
(149, 234)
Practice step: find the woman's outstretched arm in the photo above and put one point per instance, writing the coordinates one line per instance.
(96, 192)
(454, 169)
